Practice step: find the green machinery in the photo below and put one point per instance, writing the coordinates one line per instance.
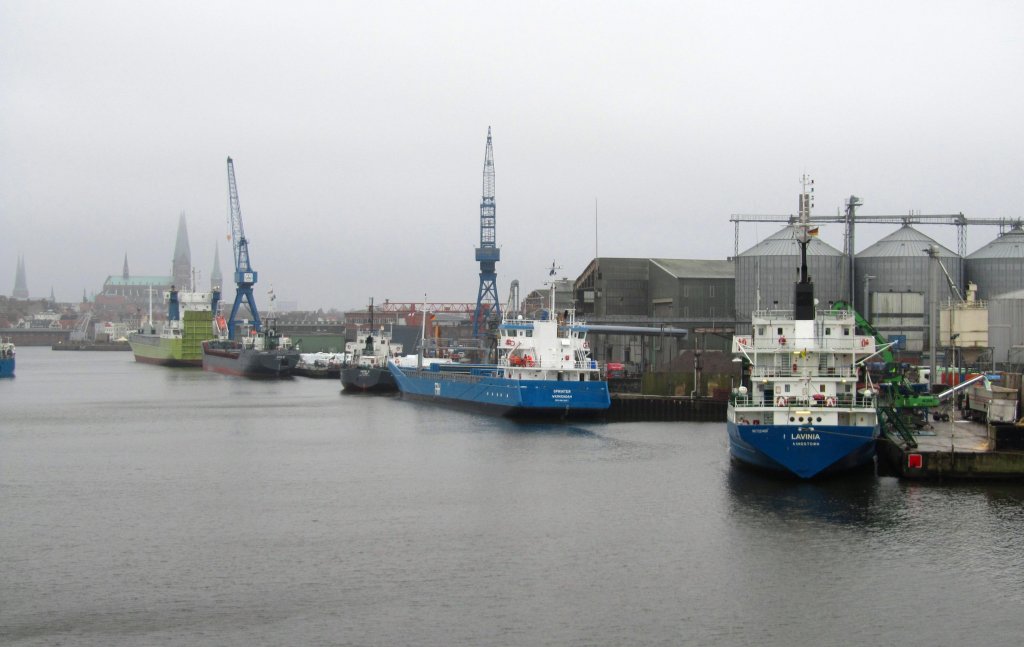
(901, 406)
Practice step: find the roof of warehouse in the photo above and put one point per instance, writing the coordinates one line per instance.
(685, 268)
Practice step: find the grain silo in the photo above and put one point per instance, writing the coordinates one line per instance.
(998, 268)
(1006, 330)
(894, 273)
(770, 268)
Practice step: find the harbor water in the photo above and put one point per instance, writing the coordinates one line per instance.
(150, 506)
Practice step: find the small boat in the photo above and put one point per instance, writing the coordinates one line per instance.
(7, 355)
(543, 369)
(255, 354)
(367, 370)
(319, 365)
(798, 409)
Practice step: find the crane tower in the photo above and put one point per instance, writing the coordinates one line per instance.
(487, 253)
(245, 276)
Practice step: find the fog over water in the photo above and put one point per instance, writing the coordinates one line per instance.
(358, 132)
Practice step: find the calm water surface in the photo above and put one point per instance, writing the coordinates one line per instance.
(149, 506)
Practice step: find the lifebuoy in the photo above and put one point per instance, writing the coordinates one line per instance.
(782, 340)
(780, 401)
(509, 341)
(742, 341)
(864, 342)
(830, 401)
(567, 358)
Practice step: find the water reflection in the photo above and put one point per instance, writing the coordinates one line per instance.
(850, 500)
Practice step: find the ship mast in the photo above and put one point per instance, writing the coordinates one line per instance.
(803, 298)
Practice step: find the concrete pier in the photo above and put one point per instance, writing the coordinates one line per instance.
(956, 449)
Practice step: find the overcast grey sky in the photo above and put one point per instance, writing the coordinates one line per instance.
(358, 131)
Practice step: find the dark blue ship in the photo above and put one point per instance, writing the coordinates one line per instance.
(543, 369)
(800, 409)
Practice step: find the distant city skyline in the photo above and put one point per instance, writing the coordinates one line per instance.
(358, 133)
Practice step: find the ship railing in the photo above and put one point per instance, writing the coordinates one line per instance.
(845, 344)
(841, 401)
(775, 314)
(787, 371)
(555, 364)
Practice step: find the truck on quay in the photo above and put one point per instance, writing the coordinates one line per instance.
(987, 402)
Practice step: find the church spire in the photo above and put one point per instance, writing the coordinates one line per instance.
(216, 279)
(20, 283)
(181, 267)
(124, 272)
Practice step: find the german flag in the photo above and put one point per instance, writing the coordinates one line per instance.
(813, 231)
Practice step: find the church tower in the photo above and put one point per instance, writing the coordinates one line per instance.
(216, 279)
(181, 267)
(20, 283)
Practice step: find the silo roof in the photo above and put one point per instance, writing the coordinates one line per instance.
(1008, 245)
(784, 243)
(905, 241)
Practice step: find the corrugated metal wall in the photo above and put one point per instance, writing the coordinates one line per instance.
(776, 275)
(998, 267)
(996, 276)
(1006, 329)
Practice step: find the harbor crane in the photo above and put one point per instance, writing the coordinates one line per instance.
(488, 254)
(245, 276)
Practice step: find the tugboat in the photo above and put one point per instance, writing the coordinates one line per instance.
(367, 371)
(255, 354)
(543, 370)
(7, 353)
(798, 409)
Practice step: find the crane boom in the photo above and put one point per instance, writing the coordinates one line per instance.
(245, 276)
(933, 252)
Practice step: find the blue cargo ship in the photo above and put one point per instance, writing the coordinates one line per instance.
(543, 369)
(7, 353)
(799, 408)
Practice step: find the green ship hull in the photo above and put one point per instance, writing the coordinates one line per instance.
(175, 347)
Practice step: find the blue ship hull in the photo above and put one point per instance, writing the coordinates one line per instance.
(7, 367)
(805, 451)
(482, 390)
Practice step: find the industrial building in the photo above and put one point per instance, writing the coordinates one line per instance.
(998, 267)
(766, 272)
(1006, 330)
(897, 274)
(697, 295)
